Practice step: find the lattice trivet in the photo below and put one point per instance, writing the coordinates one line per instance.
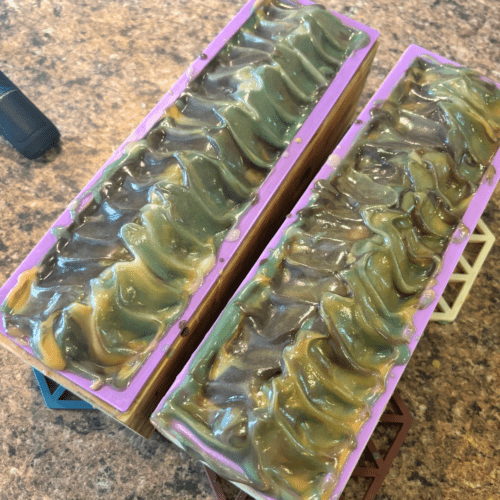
(56, 397)
(461, 281)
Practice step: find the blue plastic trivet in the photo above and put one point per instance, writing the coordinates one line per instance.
(57, 399)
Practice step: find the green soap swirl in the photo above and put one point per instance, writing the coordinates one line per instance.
(291, 370)
(126, 269)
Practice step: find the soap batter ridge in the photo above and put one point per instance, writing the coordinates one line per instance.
(276, 394)
(125, 270)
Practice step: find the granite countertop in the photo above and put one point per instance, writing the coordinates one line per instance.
(96, 68)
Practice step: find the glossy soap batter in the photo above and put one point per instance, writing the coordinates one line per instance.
(275, 396)
(126, 268)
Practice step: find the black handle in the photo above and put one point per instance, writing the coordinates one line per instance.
(23, 124)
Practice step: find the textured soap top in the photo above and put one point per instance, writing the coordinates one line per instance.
(125, 270)
(275, 396)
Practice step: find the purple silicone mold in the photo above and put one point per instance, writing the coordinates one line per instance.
(122, 399)
(421, 317)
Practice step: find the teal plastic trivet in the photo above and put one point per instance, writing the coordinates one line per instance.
(57, 399)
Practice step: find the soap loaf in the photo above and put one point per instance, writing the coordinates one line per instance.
(120, 276)
(276, 395)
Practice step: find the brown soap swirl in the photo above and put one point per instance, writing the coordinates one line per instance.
(126, 269)
(290, 371)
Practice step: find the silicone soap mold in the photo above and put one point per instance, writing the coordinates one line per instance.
(284, 392)
(116, 296)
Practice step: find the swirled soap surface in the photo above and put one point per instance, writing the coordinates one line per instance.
(125, 270)
(276, 394)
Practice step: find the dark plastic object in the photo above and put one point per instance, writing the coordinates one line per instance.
(23, 124)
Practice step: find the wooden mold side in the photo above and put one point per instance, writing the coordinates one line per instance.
(286, 196)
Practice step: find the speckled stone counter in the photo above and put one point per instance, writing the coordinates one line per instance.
(95, 68)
